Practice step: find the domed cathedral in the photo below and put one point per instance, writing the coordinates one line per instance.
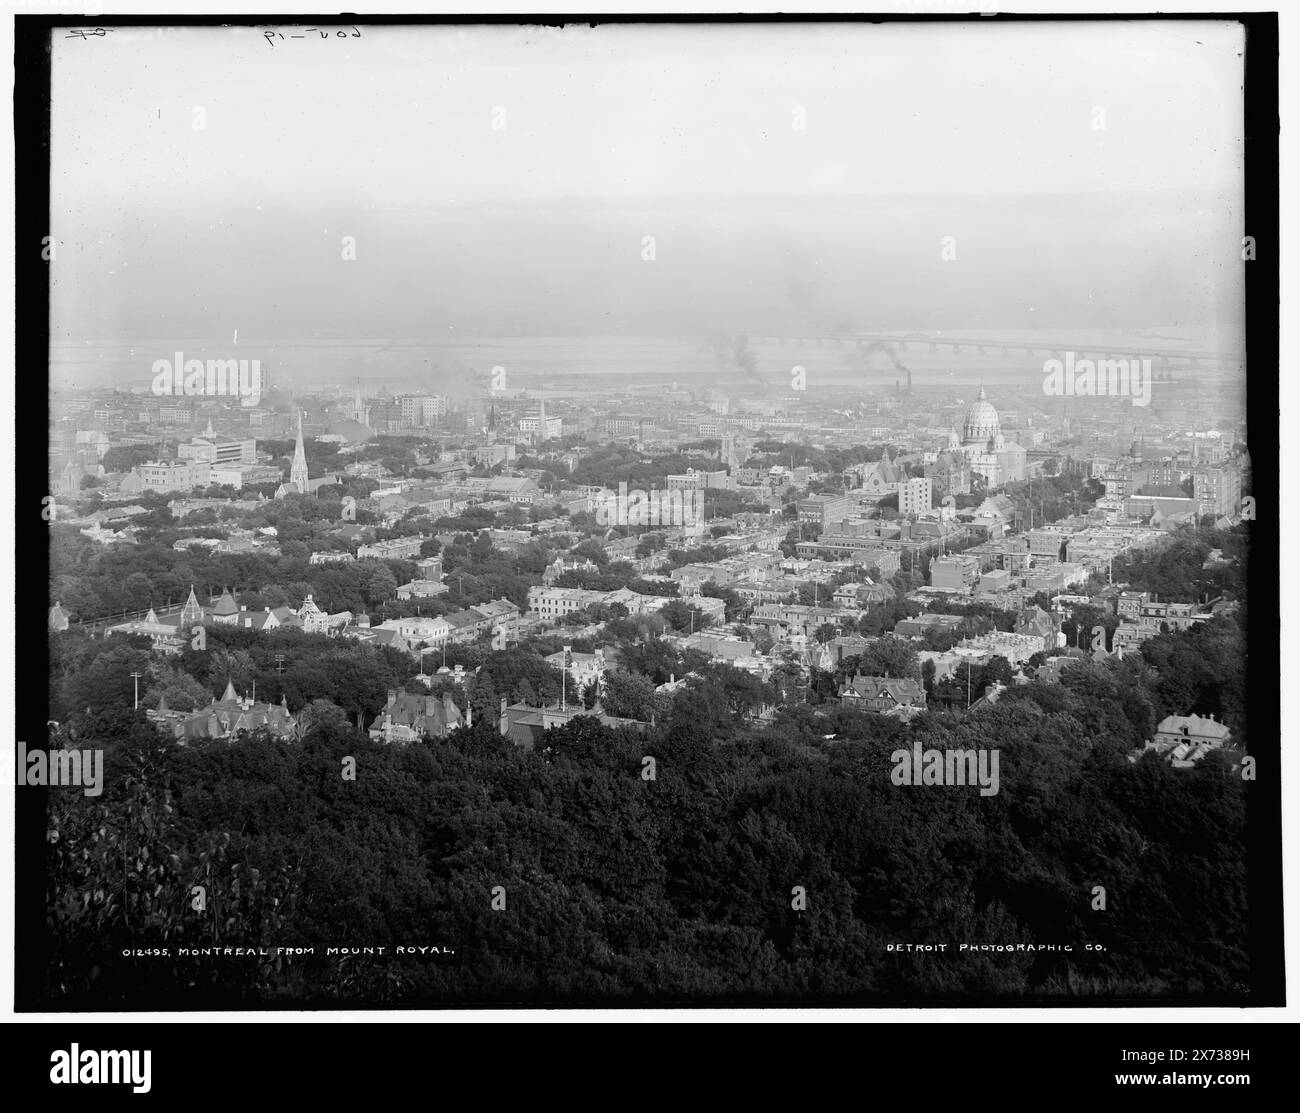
(981, 428)
(985, 448)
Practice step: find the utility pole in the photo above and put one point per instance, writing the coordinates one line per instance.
(137, 676)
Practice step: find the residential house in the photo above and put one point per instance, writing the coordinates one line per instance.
(526, 726)
(918, 626)
(1183, 740)
(583, 668)
(1036, 622)
(882, 694)
(224, 719)
(409, 717)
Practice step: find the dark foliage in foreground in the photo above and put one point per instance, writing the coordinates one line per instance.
(679, 889)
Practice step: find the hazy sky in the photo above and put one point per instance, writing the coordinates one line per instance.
(986, 133)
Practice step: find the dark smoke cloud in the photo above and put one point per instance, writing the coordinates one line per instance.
(743, 357)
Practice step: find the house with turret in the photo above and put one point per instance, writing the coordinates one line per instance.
(225, 718)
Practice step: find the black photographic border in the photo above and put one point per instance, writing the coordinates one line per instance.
(32, 220)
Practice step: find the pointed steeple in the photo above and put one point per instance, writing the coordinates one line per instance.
(191, 612)
(298, 471)
(209, 431)
(151, 617)
(162, 704)
(229, 694)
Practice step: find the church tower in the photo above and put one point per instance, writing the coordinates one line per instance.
(298, 472)
(360, 411)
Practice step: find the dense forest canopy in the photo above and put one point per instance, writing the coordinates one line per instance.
(623, 888)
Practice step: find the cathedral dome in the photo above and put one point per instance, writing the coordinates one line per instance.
(981, 424)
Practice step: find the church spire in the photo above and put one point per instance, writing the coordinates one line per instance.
(191, 612)
(298, 472)
(359, 412)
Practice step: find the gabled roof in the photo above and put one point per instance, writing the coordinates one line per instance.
(507, 483)
(899, 689)
(259, 620)
(1195, 727)
(460, 620)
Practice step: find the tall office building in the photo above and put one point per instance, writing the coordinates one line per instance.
(915, 496)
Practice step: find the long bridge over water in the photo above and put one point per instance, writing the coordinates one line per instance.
(1164, 357)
